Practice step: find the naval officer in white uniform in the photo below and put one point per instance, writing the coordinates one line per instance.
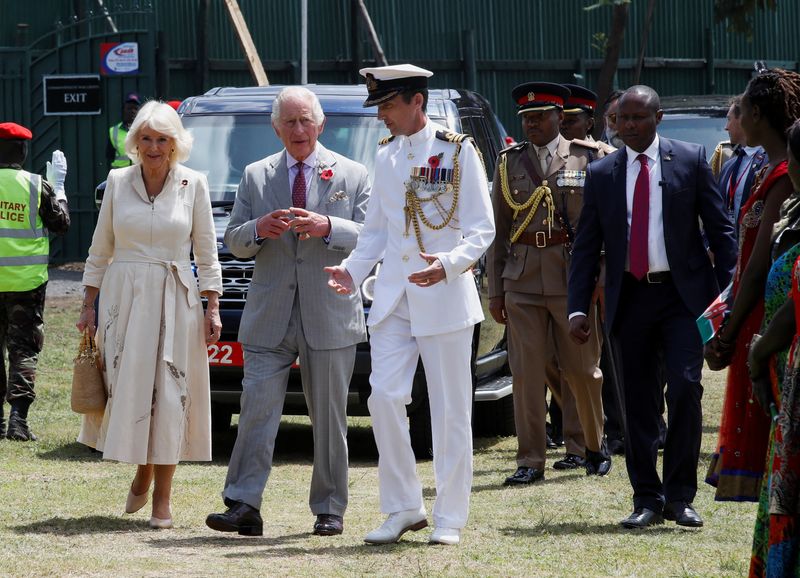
(429, 218)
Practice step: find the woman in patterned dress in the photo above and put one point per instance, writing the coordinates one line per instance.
(777, 536)
(769, 106)
(151, 329)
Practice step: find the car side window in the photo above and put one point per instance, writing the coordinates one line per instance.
(476, 127)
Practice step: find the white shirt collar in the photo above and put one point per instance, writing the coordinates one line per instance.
(651, 152)
(310, 160)
(422, 135)
(552, 146)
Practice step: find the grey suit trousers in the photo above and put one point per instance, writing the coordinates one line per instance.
(326, 378)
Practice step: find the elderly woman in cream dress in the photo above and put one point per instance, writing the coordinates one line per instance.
(151, 330)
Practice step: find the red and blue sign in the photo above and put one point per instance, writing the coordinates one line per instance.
(118, 58)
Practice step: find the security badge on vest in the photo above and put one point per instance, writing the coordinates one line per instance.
(432, 189)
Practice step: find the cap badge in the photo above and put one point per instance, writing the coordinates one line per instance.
(531, 97)
(372, 84)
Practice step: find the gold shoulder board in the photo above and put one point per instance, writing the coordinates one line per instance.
(386, 140)
(453, 137)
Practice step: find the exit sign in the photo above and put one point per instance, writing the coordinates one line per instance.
(71, 94)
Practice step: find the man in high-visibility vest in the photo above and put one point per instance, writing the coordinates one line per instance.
(115, 148)
(30, 209)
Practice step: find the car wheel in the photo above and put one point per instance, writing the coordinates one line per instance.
(221, 417)
(495, 418)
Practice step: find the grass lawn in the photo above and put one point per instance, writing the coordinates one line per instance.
(62, 509)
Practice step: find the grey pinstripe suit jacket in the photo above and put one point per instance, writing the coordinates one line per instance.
(286, 266)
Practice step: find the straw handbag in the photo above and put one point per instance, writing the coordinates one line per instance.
(88, 390)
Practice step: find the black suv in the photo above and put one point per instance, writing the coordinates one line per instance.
(231, 128)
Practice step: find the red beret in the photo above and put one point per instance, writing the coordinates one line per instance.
(13, 131)
(174, 104)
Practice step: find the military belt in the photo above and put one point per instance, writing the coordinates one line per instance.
(540, 239)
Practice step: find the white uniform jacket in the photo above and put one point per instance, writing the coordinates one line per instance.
(448, 305)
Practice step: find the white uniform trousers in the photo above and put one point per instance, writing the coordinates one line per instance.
(446, 358)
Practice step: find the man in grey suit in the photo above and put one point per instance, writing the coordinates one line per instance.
(296, 212)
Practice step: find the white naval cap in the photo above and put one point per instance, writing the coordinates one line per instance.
(386, 82)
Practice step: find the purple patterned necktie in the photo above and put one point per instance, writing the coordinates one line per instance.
(640, 218)
(299, 188)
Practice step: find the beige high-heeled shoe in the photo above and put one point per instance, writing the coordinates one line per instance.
(160, 523)
(135, 503)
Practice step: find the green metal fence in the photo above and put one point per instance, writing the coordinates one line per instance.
(189, 46)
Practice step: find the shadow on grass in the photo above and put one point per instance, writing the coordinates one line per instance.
(82, 525)
(582, 528)
(72, 452)
(277, 546)
(228, 540)
(499, 485)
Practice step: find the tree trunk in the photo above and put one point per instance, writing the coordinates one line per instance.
(619, 20)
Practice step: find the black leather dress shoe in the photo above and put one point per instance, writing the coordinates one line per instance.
(240, 518)
(569, 462)
(616, 447)
(597, 464)
(328, 525)
(551, 445)
(683, 514)
(523, 476)
(642, 518)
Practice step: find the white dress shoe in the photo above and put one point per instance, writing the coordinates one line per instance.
(135, 503)
(447, 536)
(160, 523)
(397, 524)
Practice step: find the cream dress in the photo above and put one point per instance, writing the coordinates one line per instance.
(150, 318)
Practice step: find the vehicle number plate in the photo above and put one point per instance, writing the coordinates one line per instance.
(226, 353)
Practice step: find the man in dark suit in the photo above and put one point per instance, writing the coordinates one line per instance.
(642, 205)
(738, 173)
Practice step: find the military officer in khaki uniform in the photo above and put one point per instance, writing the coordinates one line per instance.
(537, 201)
(577, 125)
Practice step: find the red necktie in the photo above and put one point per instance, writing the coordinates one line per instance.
(640, 219)
(299, 188)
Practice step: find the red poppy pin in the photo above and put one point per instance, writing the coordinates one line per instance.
(326, 174)
(435, 160)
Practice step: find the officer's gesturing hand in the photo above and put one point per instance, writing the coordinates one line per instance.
(497, 307)
(339, 279)
(274, 224)
(431, 274)
(579, 329)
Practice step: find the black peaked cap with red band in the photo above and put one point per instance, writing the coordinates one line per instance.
(534, 96)
(581, 99)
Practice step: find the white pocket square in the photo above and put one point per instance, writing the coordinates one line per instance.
(338, 196)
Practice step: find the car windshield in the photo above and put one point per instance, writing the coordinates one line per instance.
(694, 128)
(225, 144)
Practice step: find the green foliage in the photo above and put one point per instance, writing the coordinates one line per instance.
(739, 13)
(600, 42)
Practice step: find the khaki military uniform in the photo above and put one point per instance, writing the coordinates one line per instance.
(572, 431)
(530, 272)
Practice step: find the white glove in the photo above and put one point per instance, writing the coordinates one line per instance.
(57, 173)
